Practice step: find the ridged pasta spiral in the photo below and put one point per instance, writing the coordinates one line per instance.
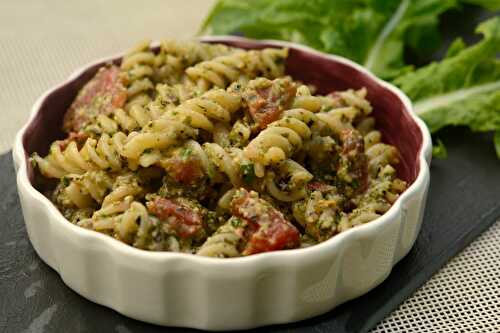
(224, 161)
(136, 116)
(138, 69)
(294, 187)
(383, 191)
(378, 154)
(97, 188)
(367, 128)
(318, 213)
(305, 100)
(344, 99)
(223, 243)
(124, 220)
(101, 154)
(183, 122)
(281, 139)
(83, 191)
(174, 56)
(241, 65)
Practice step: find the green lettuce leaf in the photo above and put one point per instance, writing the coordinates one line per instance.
(464, 88)
(439, 150)
(488, 4)
(374, 33)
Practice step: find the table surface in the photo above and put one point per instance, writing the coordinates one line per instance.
(41, 43)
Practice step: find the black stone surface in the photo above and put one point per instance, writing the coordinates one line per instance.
(464, 200)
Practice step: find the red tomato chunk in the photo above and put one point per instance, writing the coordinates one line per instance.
(186, 171)
(268, 229)
(79, 138)
(267, 101)
(100, 95)
(184, 220)
(319, 186)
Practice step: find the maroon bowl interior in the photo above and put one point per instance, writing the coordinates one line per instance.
(397, 126)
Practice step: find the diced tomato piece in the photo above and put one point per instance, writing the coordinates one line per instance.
(106, 84)
(79, 138)
(268, 229)
(318, 186)
(186, 171)
(353, 154)
(280, 234)
(184, 220)
(352, 142)
(266, 103)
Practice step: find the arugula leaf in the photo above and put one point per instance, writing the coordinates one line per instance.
(464, 88)
(371, 32)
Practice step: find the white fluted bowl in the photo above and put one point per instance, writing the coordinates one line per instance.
(185, 290)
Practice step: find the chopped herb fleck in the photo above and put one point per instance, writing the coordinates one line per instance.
(248, 172)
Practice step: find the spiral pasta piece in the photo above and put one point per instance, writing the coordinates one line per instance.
(174, 56)
(296, 177)
(192, 52)
(138, 69)
(367, 128)
(136, 116)
(121, 219)
(318, 213)
(355, 99)
(130, 222)
(339, 119)
(96, 188)
(101, 154)
(379, 155)
(223, 243)
(305, 100)
(221, 71)
(85, 190)
(221, 161)
(383, 191)
(280, 140)
(183, 122)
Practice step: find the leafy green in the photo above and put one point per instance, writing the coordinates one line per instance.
(372, 32)
(488, 4)
(464, 88)
(456, 47)
(439, 150)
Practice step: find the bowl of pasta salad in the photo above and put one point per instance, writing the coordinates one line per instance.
(224, 183)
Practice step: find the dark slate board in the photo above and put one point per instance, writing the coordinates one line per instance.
(464, 200)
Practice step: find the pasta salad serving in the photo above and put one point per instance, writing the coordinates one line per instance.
(213, 150)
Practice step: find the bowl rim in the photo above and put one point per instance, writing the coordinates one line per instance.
(424, 156)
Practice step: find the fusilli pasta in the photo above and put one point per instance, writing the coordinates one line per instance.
(212, 150)
(239, 66)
